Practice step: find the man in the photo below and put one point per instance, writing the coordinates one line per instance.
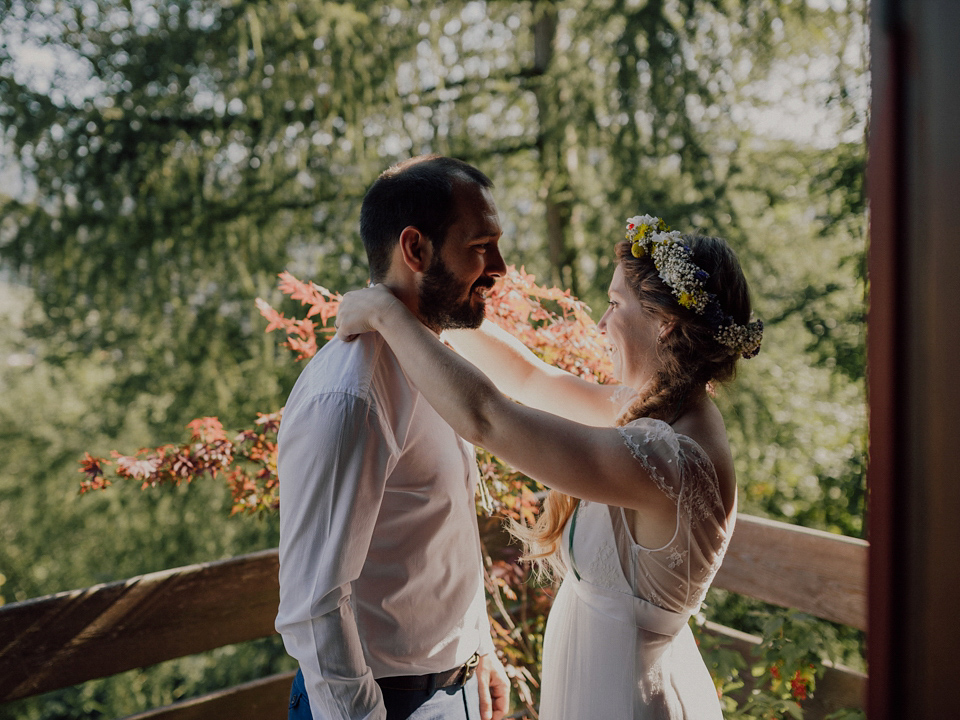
(381, 592)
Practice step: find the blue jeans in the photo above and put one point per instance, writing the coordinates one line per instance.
(445, 704)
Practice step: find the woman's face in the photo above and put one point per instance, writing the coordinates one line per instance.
(632, 331)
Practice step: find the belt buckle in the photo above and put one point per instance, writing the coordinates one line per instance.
(466, 672)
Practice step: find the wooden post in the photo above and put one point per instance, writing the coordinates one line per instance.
(914, 359)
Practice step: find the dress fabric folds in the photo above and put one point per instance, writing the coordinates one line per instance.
(618, 643)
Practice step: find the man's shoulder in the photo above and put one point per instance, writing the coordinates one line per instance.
(346, 382)
(364, 369)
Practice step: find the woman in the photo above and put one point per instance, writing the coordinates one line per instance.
(656, 492)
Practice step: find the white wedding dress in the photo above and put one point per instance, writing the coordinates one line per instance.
(617, 643)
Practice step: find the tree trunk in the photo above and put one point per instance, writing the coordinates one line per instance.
(554, 180)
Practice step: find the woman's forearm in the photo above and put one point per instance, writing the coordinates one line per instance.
(501, 357)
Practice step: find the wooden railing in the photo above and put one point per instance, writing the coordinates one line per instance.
(60, 640)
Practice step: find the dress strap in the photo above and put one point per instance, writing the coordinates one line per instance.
(573, 527)
(630, 609)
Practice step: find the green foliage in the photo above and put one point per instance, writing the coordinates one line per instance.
(780, 675)
(51, 539)
(847, 714)
(800, 406)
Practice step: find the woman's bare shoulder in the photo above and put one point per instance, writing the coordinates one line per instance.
(704, 425)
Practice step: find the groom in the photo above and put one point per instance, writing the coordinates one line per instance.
(381, 588)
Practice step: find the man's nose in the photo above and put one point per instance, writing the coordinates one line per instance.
(496, 267)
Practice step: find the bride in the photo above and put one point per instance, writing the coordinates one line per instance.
(643, 493)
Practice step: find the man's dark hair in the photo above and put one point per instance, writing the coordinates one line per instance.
(418, 192)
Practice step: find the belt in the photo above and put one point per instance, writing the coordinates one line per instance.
(457, 677)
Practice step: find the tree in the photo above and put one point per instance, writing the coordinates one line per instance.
(174, 184)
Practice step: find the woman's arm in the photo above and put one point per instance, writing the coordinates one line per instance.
(519, 373)
(587, 462)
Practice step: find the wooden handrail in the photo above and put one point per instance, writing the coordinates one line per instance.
(816, 572)
(71, 637)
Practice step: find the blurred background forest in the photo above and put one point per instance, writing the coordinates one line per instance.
(161, 161)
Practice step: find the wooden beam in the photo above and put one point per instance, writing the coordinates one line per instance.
(263, 699)
(75, 636)
(813, 571)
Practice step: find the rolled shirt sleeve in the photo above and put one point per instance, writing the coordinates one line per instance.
(334, 459)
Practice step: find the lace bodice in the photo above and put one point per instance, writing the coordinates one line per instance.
(676, 576)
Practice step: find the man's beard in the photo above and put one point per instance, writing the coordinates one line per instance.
(442, 306)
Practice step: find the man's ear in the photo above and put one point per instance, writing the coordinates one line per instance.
(415, 249)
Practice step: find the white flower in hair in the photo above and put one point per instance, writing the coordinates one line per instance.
(742, 339)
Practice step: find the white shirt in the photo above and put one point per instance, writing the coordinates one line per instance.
(380, 560)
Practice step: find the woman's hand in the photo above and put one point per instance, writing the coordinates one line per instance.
(361, 311)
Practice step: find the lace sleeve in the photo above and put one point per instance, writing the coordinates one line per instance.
(701, 495)
(654, 444)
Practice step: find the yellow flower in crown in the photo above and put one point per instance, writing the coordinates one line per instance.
(640, 230)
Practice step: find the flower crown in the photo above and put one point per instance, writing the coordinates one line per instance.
(674, 263)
